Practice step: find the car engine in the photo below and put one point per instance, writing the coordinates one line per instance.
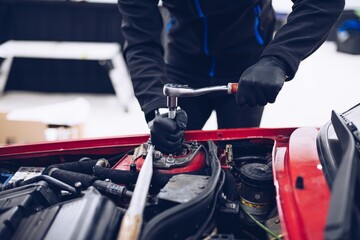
(208, 190)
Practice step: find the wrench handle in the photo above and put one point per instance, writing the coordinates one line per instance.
(232, 88)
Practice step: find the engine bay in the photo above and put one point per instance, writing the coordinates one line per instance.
(209, 190)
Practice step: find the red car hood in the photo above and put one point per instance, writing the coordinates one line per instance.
(302, 193)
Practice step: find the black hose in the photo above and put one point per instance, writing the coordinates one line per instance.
(78, 166)
(71, 178)
(117, 176)
(85, 166)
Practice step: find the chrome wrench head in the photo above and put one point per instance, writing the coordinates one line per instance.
(173, 91)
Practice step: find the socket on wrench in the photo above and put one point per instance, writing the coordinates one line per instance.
(173, 91)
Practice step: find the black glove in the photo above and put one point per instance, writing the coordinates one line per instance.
(168, 134)
(261, 83)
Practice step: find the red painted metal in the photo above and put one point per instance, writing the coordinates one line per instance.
(196, 164)
(116, 144)
(302, 211)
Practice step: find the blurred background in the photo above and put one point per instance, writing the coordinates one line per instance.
(62, 75)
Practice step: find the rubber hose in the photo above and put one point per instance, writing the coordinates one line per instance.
(78, 166)
(71, 178)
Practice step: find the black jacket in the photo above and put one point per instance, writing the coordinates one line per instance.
(213, 36)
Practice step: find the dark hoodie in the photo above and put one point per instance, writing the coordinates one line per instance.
(213, 37)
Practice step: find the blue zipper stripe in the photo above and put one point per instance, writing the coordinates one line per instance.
(170, 24)
(206, 47)
(212, 69)
(258, 9)
(198, 7)
(257, 22)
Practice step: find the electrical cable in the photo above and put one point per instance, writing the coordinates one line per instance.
(266, 229)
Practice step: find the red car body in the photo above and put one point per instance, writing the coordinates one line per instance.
(302, 193)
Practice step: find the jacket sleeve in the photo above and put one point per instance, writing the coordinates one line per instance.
(307, 27)
(141, 26)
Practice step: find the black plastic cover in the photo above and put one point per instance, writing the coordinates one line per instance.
(20, 202)
(92, 216)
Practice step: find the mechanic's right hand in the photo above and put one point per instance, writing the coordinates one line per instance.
(261, 83)
(168, 134)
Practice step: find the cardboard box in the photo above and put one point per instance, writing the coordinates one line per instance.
(20, 131)
(16, 131)
(59, 121)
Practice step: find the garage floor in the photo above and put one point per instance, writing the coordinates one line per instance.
(325, 81)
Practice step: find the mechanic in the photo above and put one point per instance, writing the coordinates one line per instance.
(214, 42)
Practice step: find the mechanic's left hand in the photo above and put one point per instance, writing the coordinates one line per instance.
(168, 134)
(261, 83)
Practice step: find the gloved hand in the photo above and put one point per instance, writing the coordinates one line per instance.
(168, 134)
(261, 83)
